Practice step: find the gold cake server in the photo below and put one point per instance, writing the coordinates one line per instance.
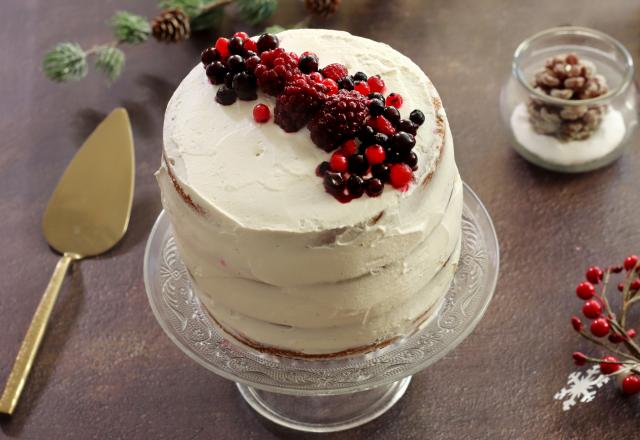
(87, 215)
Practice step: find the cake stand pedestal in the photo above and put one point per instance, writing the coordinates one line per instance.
(323, 395)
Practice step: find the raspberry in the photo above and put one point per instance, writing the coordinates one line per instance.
(341, 117)
(394, 100)
(276, 68)
(335, 71)
(382, 125)
(299, 102)
(376, 84)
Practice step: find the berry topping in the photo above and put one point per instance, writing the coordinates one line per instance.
(360, 76)
(358, 164)
(331, 85)
(610, 365)
(374, 187)
(362, 87)
(594, 274)
(298, 103)
(244, 84)
(252, 62)
(376, 107)
(216, 72)
(225, 95)
(236, 63)
(267, 42)
(250, 46)
(236, 45)
(365, 134)
(394, 100)
(345, 83)
(316, 76)
(261, 113)
(209, 55)
(585, 290)
(403, 142)
(412, 160)
(308, 62)
(349, 148)
(380, 138)
(339, 119)
(338, 162)
(400, 176)
(355, 186)
(407, 126)
(222, 46)
(382, 125)
(380, 171)
(333, 182)
(417, 117)
(323, 168)
(592, 309)
(376, 84)
(276, 68)
(600, 327)
(392, 114)
(375, 95)
(335, 71)
(375, 154)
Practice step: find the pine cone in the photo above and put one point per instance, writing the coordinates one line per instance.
(567, 77)
(323, 8)
(171, 26)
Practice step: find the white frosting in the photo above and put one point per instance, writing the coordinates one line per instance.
(277, 259)
(602, 142)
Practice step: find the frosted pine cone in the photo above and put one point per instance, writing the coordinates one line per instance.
(567, 77)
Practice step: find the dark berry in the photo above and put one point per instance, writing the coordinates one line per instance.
(380, 138)
(376, 84)
(376, 107)
(236, 63)
(375, 154)
(261, 113)
(360, 76)
(333, 182)
(395, 100)
(400, 176)
(380, 171)
(245, 86)
(267, 42)
(251, 63)
(417, 117)
(335, 71)
(248, 54)
(222, 46)
(403, 142)
(358, 164)
(341, 117)
(355, 185)
(374, 187)
(209, 55)
(375, 95)
(228, 79)
(298, 103)
(216, 72)
(345, 83)
(225, 95)
(322, 169)
(366, 134)
(412, 160)
(392, 114)
(407, 126)
(275, 70)
(393, 156)
(308, 63)
(236, 45)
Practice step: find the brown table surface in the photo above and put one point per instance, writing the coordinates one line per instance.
(106, 370)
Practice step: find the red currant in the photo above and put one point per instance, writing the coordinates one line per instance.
(242, 35)
(579, 358)
(376, 84)
(592, 309)
(394, 100)
(349, 148)
(401, 175)
(251, 45)
(594, 274)
(338, 162)
(222, 46)
(600, 327)
(576, 323)
(261, 113)
(631, 384)
(363, 88)
(608, 367)
(630, 262)
(585, 290)
(331, 85)
(375, 154)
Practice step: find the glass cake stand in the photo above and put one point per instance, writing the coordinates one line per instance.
(323, 395)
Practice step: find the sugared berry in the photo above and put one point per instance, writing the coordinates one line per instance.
(374, 154)
(374, 187)
(382, 125)
(585, 290)
(338, 162)
(333, 182)
(403, 142)
(250, 46)
(216, 72)
(341, 117)
(236, 46)
(242, 35)
(576, 323)
(275, 70)
(236, 63)
(323, 168)
(359, 76)
(631, 384)
(609, 365)
(376, 84)
(630, 262)
(592, 309)
(358, 164)
(417, 117)
(245, 86)
(355, 185)
(407, 126)
(267, 42)
(308, 62)
(331, 85)
(411, 159)
(225, 95)
(381, 171)
(222, 46)
(376, 107)
(594, 274)
(298, 103)
(579, 358)
(394, 100)
(261, 113)
(392, 114)
(362, 87)
(600, 327)
(349, 148)
(209, 55)
(335, 71)
(400, 176)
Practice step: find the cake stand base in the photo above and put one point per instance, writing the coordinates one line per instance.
(328, 413)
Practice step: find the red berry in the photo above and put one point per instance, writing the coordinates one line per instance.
(382, 125)
(338, 162)
(251, 45)
(609, 367)
(376, 84)
(261, 113)
(635, 285)
(592, 309)
(335, 71)
(576, 323)
(394, 100)
(349, 148)
(616, 269)
(631, 384)
(585, 290)
(222, 46)
(594, 274)
(316, 76)
(631, 333)
(242, 35)
(630, 262)
(600, 327)
(374, 154)
(615, 338)
(620, 287)
(579, 358)
(363, 88)
(331, 85)
(401, 175)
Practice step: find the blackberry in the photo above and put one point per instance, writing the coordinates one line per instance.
(360, 76)
(407, 126)
(392, 114)
(267, 42)
(376, 107)
(216, 72)
(236, 63)
(333, 182)
(276, 68)
(380, 171)
(346, 83)
(225, 96)
(417, 117)
(298, 103)
(375, 95)
(355, 186)
(209, 55)
(244, 84)
(308, 63)
(236, 45)
(358, 164)
(335, 71)
(374, 187)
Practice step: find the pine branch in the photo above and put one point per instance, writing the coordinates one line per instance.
(65, 62)
(110, 62)
(255, 11)
(130, 28)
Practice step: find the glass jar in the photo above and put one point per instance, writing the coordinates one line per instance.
(550, 129)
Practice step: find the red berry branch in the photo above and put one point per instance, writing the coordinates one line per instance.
(606, 323)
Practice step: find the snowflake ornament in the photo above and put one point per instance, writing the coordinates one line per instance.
(581, 387)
